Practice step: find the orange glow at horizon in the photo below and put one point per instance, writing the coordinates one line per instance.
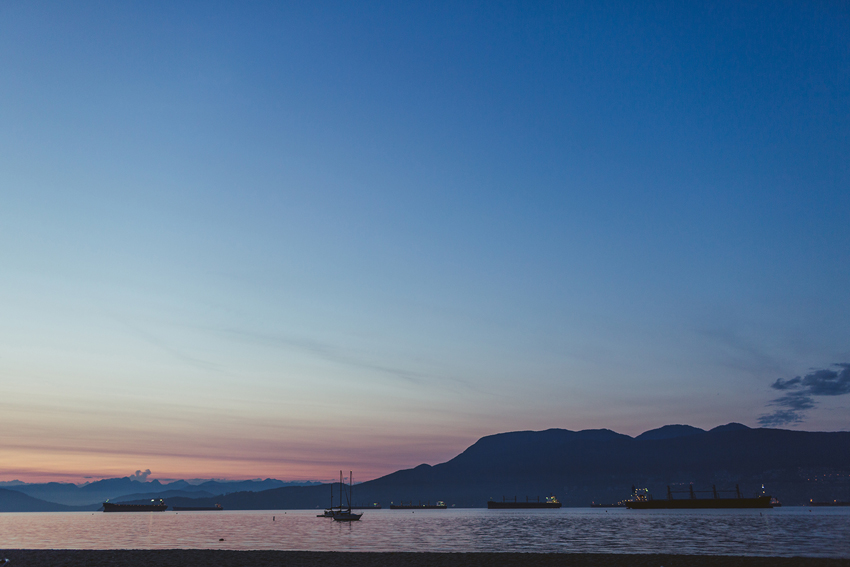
(283, 461)
(79, 468)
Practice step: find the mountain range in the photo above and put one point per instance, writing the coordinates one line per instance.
(91, 496)
(579, 467)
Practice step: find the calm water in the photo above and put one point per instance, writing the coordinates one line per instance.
(788, 531)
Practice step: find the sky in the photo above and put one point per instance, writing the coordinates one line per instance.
(280, 239)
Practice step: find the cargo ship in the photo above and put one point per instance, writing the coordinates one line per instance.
(549, 502)
(373, 506)
(642, 500)
(154, 506)
(440, 505)
(197, 508)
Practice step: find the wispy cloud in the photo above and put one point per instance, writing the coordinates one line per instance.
(796, 401)
(740, 352)
(801, 390)
(781, 417)
(342, 356)
(328, 352)
(167, 346)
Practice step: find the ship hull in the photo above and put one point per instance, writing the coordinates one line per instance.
(699, 503)
(492, 505)
(110, 507)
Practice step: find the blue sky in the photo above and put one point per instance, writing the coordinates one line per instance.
(271, 239)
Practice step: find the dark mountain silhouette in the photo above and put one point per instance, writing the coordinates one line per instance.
(285, 498)
(670, 432)
(127, 488)
(73, 495)
(600, 466)
(217, 487)
(167, 494)
(581, 467)
(13, 501)
(730, 427)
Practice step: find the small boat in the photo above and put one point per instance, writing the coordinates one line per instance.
(346, 515)
(329, 512)
(550, 502)
(197, 508)
(154, 506)
(333, 511)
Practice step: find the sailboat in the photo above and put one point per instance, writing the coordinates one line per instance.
(347, 515)
(331, 512)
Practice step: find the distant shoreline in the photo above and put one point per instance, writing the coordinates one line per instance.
(226, 558)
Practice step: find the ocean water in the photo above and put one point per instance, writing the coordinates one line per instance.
(787, 531)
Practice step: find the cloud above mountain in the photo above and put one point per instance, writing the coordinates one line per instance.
(141, 476)
(800, 393)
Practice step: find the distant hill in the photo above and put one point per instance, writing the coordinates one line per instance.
(13, 501)
(669, 432)
(167, 494)
(129, 489)
(579, 467)
(730, 427)
(601, 466)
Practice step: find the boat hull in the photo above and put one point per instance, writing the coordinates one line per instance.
(699, 503)
(110, 507)
(493, 505)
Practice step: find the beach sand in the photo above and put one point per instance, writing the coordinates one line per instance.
(198, 558)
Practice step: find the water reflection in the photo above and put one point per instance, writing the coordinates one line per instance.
(782, 532)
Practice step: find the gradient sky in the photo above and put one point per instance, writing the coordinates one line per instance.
(279, 239)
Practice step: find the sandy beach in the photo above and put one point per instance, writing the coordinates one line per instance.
(199, 558)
